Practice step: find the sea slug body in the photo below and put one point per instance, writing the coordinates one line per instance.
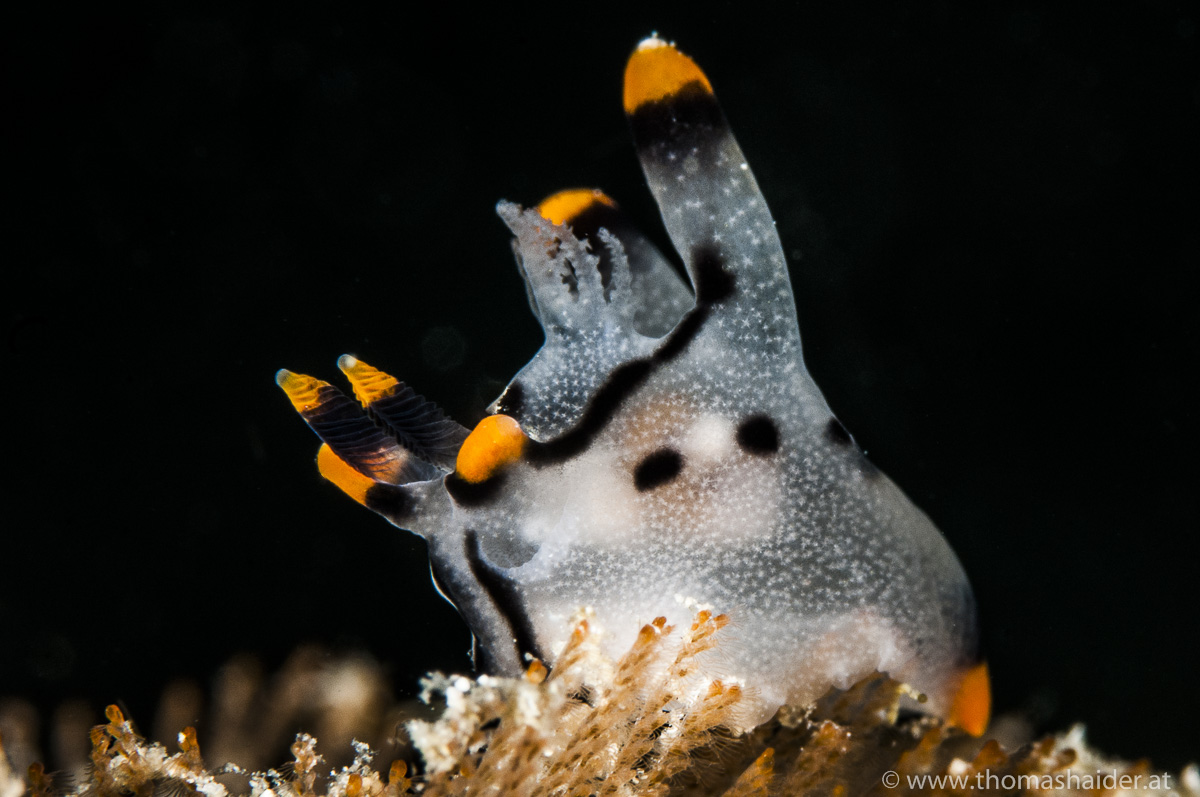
(666, 449)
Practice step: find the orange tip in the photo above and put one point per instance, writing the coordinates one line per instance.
(301, 389)
(370, 384)
(656, 70)
(494, 443)
(348, 480)
(565, 206)
(972, 706)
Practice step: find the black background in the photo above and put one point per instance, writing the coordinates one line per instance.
(991, 217)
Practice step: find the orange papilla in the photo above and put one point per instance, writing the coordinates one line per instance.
(348, 480)
(972, 706)
(565, 206)
(496, 442)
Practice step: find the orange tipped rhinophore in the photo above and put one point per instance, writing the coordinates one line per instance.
(972, 706)
(565, 206)
(370, 384)
(357, 452)
(656, 70)
(301, 389)
(494, 443)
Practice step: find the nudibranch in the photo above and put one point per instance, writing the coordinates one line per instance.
(665, 451)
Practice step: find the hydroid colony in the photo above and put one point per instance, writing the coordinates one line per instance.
(597, 726)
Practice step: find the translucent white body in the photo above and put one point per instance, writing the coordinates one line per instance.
(681, 457)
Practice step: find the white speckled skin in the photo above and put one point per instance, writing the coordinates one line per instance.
(827, 571)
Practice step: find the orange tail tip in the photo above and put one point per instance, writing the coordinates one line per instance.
(494, 443)
(347, 479)
(301, 389)
(565, 206)
(370, 384)
(972, 707)
(656, 71)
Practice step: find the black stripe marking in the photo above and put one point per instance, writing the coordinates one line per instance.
(621, 382)
(714, 283)
(597, 214)
(688, 117)
(390, 501)
(506, 596)
(674, 345)
(657, 468)
(443, 581)
(465, 493)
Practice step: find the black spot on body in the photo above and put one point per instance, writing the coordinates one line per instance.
(759, 435)
(836, 433)
(657, 468)
(466, 493)
(506, 596)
